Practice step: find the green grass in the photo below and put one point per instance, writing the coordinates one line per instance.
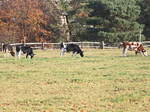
(102, 81)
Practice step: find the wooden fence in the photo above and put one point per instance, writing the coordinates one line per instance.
(146, 43)
(97, 45)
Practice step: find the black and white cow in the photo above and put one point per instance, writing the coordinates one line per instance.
(8, 49)
(18, 50)
(25, 49)
(75, 49)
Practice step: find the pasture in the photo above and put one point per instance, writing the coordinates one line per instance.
(102, 81)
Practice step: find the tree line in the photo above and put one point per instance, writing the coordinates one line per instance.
(87, 20)
(30, 20)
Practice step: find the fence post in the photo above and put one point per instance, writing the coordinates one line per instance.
(42, 46)
(81, 45)
(2, 47)
(102, 45)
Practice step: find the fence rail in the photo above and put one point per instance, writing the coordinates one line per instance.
(96, 45)
(146, 43)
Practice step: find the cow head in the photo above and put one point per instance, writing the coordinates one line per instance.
(12, 53)
(32, 55)
(144, 52)
(81, 54)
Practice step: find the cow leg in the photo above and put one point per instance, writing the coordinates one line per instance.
(27, 55)
(62, 52)
(18, 54)
(7, 53)
(31, 56)
(136, 52)
(125, 51)
(4, 50)
(74, 53)
(141, 53)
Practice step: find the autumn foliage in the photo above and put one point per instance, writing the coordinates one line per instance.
(29, 20)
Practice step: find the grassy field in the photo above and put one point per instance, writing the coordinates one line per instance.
(102, 81)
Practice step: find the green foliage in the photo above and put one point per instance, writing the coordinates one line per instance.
(88, 20)
(145, 17)
(108, 20)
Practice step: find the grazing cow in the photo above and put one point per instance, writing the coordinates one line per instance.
(133, 46)
(25, 49)
(7, 48)
(75, 49)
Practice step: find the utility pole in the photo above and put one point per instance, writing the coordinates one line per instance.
(65, 25)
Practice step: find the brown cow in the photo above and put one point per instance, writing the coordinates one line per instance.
(133, 46)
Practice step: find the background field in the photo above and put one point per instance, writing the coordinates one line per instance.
(102, 81)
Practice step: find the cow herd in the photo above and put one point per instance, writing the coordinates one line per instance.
(17, 50)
